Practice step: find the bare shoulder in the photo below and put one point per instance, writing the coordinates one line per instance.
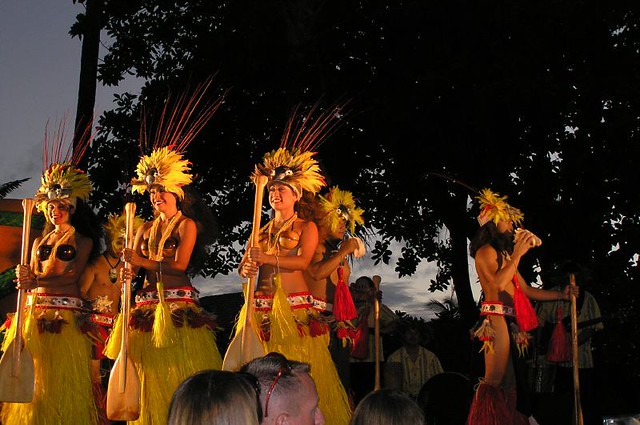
(82, 240)
(306, 225)
(187, 223)
(486, 253)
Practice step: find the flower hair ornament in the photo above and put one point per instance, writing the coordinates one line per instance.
(339, 205)
(293, 163)
(61, 179)
(494, 207)
(179, 123)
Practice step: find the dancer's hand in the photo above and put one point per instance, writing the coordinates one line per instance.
(25, 279)
(257, 256)
(249, 270)
(348, 246)
(131, 257)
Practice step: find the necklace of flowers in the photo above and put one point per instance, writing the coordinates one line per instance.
(155, 251)
(61, 241)
(272, 240)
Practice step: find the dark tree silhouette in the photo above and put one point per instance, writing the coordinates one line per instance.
(535, 100)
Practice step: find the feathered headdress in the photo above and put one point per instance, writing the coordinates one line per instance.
(293, 163)
(179, 124)
(116, 229)
(61, 179)
(494, 207)
(340, 205)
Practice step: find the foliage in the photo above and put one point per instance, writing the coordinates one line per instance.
(535, 100)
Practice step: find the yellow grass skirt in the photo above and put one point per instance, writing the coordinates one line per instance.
(162, 367)
(61, 355)
(284, 328)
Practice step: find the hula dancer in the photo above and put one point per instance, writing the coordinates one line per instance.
(501, 396)
(329, 272)
(100, 286)
(171, 337)
(56, 321)
(283, 305)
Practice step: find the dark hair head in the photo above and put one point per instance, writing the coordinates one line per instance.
(489, 234)
(215, 396)
(194, 207)
(363, 284)
(387, 407)
(86, 223)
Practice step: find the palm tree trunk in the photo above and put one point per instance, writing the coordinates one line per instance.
(88, 72)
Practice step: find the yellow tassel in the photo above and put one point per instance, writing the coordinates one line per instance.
(281, 315)
(486, 334)
(241, 319)
(112, 347)
(164, 332)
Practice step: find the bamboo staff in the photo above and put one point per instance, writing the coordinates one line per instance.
(577, 408)
(376, 316)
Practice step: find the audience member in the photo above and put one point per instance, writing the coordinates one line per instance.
(363, 352)
(216, 397)
(409, 367)
(288, 395)
(553, 314)
(387, 407)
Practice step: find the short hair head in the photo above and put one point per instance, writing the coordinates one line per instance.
(387, 407)
(363, 284)
(215, 396)
(278, 378)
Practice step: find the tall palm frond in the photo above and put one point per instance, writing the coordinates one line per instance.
(8, 187)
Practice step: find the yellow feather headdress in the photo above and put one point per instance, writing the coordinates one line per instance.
(494, 207)
(293, 163)
(340, 205)
(116, 229)
(61, 179)
(179, 124)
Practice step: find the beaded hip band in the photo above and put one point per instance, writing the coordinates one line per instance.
(102, 319)
(58, 301)
(322, 305)
(296, 300)
(496, 309)
(181, 293)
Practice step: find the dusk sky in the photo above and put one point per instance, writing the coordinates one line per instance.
(39, 68)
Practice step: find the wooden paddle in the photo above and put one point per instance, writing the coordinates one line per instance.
(577, 408)
(246, 344)
(376, 320)
(17, 378)
(123, 392)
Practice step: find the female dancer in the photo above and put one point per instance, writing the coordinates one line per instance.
(55, 317)
(283, 305)
(328, 274)
(171, 337)
(501, 397)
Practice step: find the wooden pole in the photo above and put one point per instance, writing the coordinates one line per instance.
(124, 389)
(17, 372)
(376, 311)
(577, 408)
(246, 344)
